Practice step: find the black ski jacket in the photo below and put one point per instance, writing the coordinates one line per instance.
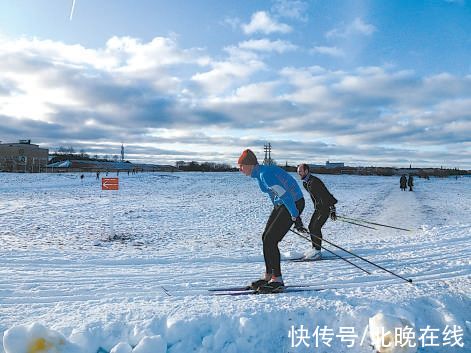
(403, 181)
(321, 197)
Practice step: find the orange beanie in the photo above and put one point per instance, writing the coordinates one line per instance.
(248, 158)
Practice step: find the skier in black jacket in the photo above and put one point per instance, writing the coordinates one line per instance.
(324, 204)
(403, 182)
(410, 182)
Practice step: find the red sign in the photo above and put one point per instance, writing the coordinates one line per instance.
(109, 183)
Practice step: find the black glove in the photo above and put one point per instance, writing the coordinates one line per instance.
(299, 226)
(333, 214)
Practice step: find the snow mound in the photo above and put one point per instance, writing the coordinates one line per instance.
(34, 338)
(151, 344)
(389, 334)
(121, 347)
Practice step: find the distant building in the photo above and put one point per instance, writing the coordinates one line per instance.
(329, 165)
(23, 157)
(401, 171)
(181, 164)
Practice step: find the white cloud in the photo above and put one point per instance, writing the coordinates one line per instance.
(127, 89)
(255, 92)
(135, 56)
(331, 51)
(263, 23)
(360, 27)
(225, 74)
(279, 46)
(357, 27)
(48, 75)
(295, 9)
(308, 86)
(376, 106)
(232, 22)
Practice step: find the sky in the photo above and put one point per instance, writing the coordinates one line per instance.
(373, 83)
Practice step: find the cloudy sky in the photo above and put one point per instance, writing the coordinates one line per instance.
(384, 83)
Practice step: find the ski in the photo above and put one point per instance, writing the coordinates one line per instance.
(302, 259)
(247, 288)
(227, 289)
(292, 289)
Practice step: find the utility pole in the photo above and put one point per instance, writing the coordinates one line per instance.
(267, 149)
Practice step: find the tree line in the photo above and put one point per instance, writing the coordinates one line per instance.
(204, 167)
(66, 153)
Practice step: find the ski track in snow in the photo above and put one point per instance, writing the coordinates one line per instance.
(178, 235)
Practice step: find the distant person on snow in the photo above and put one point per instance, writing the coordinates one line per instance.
(288, 203)
(410, 182)
(403, 182)
(324, 204)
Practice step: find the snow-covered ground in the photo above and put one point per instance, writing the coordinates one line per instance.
(178, 234)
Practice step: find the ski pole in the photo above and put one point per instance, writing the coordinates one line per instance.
(360, 257)
(165, 291)
(376, 224)
(341, 257)
(358, 224)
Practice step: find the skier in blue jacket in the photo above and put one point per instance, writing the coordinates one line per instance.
(288, 203)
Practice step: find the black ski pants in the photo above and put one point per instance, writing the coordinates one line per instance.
(318, 220)
(278, 225)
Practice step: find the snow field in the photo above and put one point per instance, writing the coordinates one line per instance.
(179, 234)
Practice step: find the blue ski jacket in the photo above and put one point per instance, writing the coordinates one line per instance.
(279, 185)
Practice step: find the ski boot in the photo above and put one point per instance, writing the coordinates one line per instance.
(275, 285)
(312, 255)
(257, 284)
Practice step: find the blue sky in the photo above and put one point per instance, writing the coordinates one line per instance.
(364, 82)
